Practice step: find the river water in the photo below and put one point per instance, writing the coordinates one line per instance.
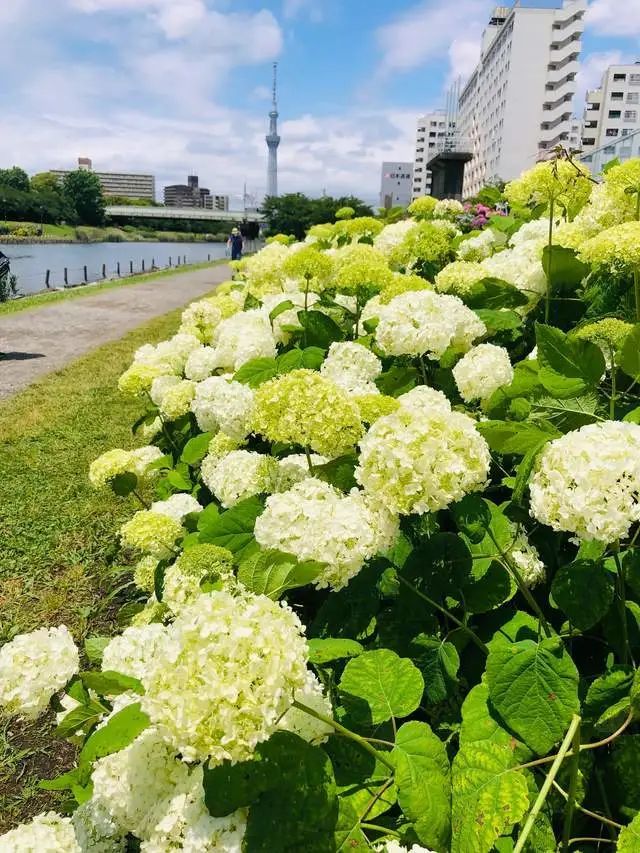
(31, 262)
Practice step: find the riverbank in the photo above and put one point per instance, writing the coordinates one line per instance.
(46, 297)
(34, 233)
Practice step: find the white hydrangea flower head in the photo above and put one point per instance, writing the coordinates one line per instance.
(132, 652)
(161, 385)
(243, 337)
(225, 405)
(426, 323)
(168, 356)
(295, 468)
(423, 400)
(183, 579)
(422, 458)
(478, 248)
(527, 559)
(521, 267)
(587, 482)
(114, 462)
(177, 399)
(144, 573)
(482, 371)
(372, 308)
(393, 235)
(263, 271)
(226, 676)
(187, 825)
(200, 364)
(314, 521)
(33, 667)
(304, 725)
(132, 786)
(142, 458)
(396, 847)
(352, 367)
(47, 833)
(177, 506)
(96, 831)
(152, 533)
(288, 318)
(536, 231)
(448, 207)
(150, 430)
(240, 475)
(201, 320)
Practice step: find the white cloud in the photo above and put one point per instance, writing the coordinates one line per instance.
(426, 32)
(297, 8)
(464, 54)
(614, 17)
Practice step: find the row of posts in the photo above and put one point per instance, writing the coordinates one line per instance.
(181, 261)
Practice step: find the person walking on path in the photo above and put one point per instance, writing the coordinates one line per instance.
(236, 244)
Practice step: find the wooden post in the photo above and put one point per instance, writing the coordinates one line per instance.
(153, 263)
(118, 269)
(66, 277)
(208, 256)
(170, 261)
(86, 275)
(46, 281)
(104, 270)
(184, 259)
(131, 267)
(143, 265)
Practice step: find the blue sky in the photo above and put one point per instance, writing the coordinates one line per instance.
(172, 86)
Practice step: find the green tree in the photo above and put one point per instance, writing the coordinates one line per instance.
(295, 213)
(84, 194)
(46, 182)
(14, 178)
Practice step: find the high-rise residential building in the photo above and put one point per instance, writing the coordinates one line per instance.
(431, 134)
(124, 184)
(396, 185)
(273, 140)
(613, 110)
(517, 105)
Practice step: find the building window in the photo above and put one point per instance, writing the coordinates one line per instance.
(619, 77)
(615, 113)
(633, 97)
(612, 131)
(617, 96)
(589, 140)
(634, 79)
(631, 115)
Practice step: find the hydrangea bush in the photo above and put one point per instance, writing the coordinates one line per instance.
(387, 590)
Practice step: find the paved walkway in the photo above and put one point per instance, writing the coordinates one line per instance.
(41, 340)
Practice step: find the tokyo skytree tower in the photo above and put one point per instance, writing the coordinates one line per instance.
(273, 140)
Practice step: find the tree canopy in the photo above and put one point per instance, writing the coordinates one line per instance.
(295, 213)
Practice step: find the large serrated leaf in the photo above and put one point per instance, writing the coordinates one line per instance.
(533, 687)
(630, 355)
(629, 838)
(584, 592)
(515, 438)
(569, 368)
(272, 573)
(233, 529)
(424, 785)
(379, 685)
(438, 661)
(257, 371)
(348, 835)
(332, 649)
(488, 796)
(121, 730)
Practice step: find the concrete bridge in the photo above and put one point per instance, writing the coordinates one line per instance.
(186, 213)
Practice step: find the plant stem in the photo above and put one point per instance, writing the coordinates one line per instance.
(547, 304)
(612, 400)
(144, 503)
(573, 788)
(582, 838)
(622, 600)
(346, 733)
(423, 370)
(379, 793)
(636, 287)
(610, 823)
(307, 453)
(383, 829)
(472, 635)
(511, 567)
(546, 787)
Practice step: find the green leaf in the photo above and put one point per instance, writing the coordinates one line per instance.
(332, 649)
(124, 484)
(479, 727)
(287, 305)
(562, 267)
(489, 796)
(568, 368)
(82, 718)
(320, 330)
(472, 516)
(94, 647)
(629, 359)
(633, 417)
(584, 592)
(64, 782)
(534, 689)
(499, 321)
(179, 481)
(607, 691)
(439, 662)
(272, 573)
(257, 371)
(424, 785)
(398, 380)
(196, 448)
(310, 358)
(379, 685)
(233, 529)
(121, 730)
(514, 437)
(339, 472)
(629, 838)
(567, 414)
(495, 293)
(525, 469)
(349, 837)
(623, 774)
(110, 683)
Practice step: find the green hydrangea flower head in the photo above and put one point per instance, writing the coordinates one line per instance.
(322, 233)
(372, 407)
(153, 612)
(460, 277)
(625, 176)
(555, 181)
(183, 580)
(152, 533)
(145, 572)
(608, 334)
(310, 266)
(426, 245)
(345, 213)
(360, 267)
(355, 230)
(283, 239)
(403, 284)
(422, 208)
(305, 409)
(176, 401)
(616, 249)
(138, 378)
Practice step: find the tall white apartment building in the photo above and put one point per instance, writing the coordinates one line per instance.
(431, 134)
(612, 111)
(517, 105)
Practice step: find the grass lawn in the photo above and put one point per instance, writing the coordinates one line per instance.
(59, 553)
(29, 302)
(64, 232)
